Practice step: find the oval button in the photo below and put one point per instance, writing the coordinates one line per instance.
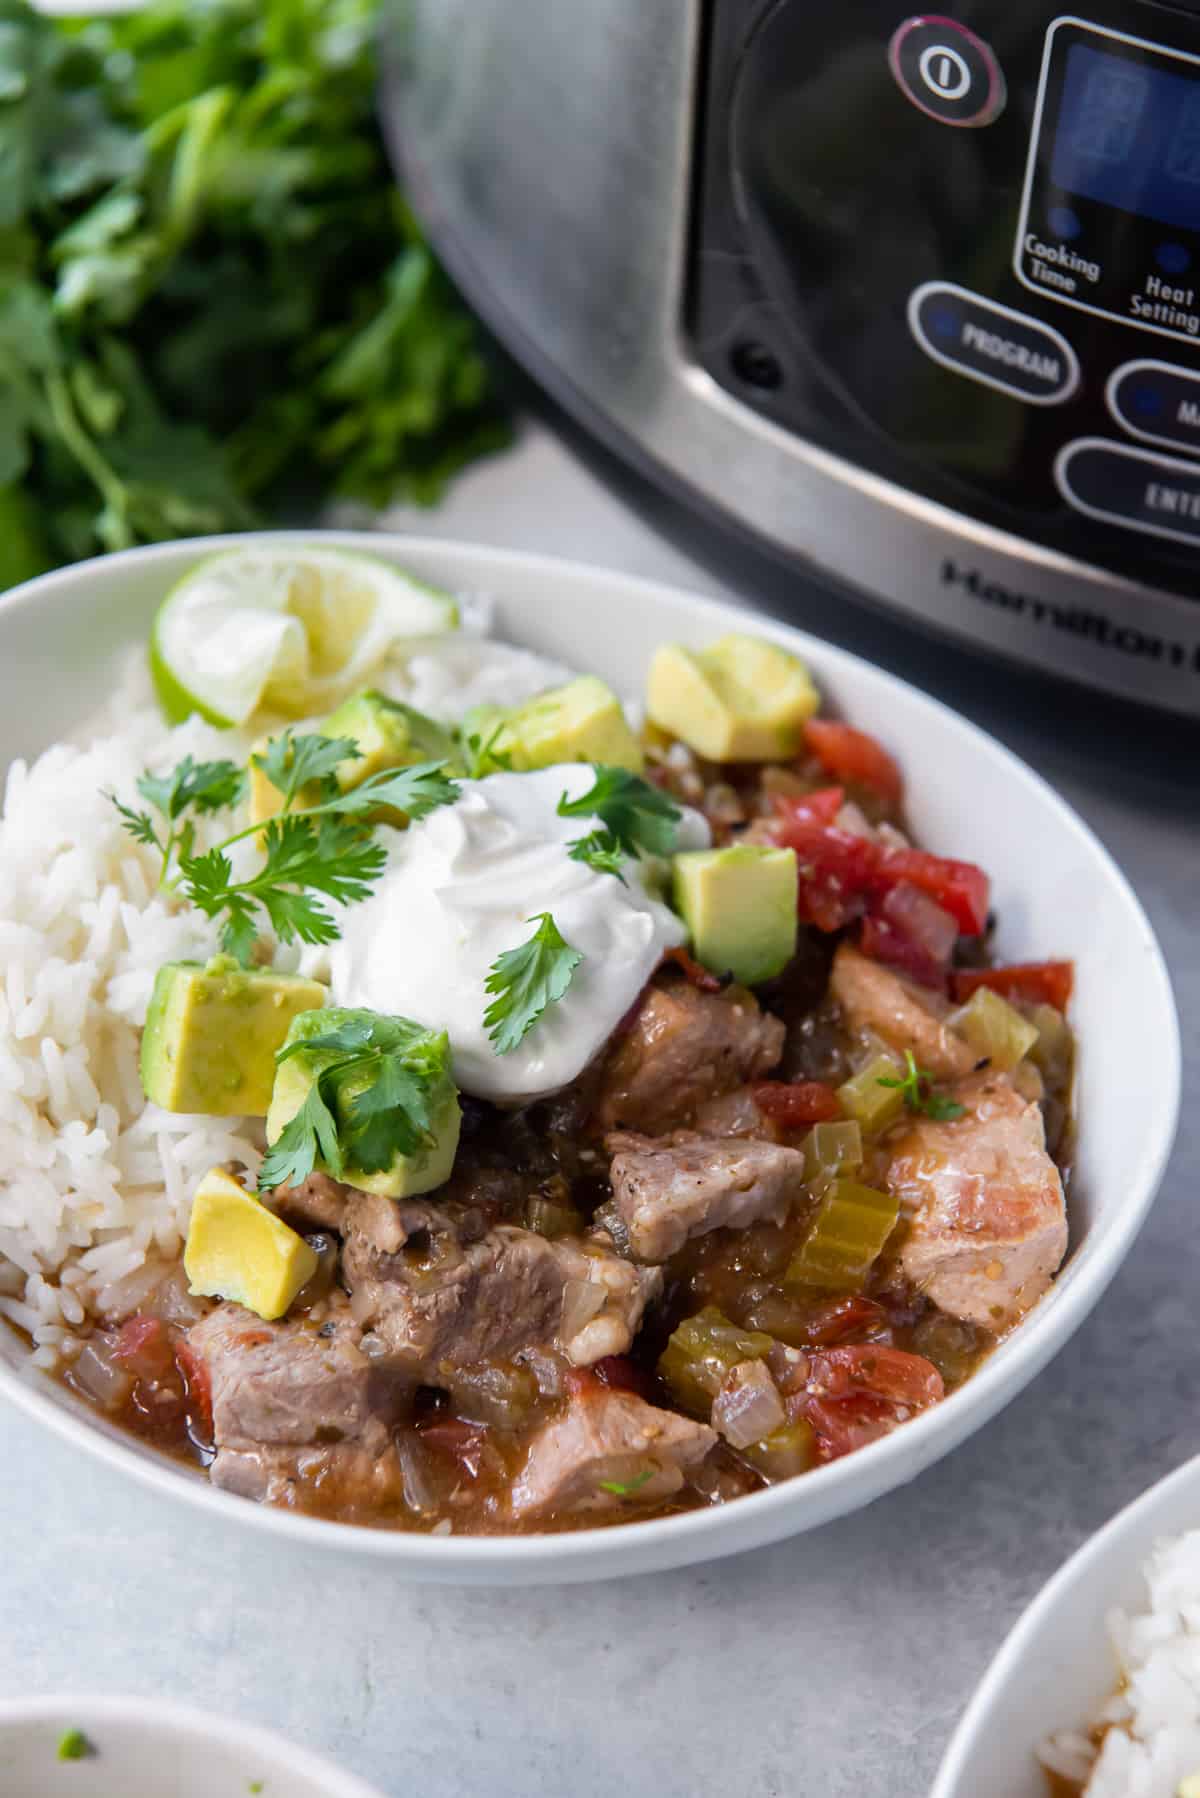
(1157, 402)
(991, 343)
(1131, 487)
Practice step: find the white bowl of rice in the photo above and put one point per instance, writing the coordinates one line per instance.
(95, 1184)
(1096, 1690)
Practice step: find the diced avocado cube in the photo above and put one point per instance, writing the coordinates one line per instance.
(740, 700)
(581, 722)
(389, 735)
(425, 1055)
(237, 1249)
(212, 1031)
(739, 905)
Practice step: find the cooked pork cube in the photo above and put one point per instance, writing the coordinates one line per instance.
(665, 1191)
(436, 1301)
(987, 1222)
(609, 1449)
(681, 1048)
(287, 1397)
(877, 1001)
(318, 1203)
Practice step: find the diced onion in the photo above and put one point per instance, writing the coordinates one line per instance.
(748, 1406)
(582, 1299)
(108, 1384)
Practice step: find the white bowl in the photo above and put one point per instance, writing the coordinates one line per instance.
(148, 1748)
(1056, 1666)
(1056, 890)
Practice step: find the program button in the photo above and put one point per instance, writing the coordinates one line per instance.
(991, 343)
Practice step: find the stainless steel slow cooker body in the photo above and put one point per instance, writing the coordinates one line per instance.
(906, 296)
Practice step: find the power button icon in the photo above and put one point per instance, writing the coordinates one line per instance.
(946, 71)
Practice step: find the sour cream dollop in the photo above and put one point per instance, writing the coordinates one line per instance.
(460, 888)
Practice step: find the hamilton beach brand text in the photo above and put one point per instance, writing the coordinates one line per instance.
(1077, 621)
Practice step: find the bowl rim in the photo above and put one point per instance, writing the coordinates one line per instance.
(96, 1710)
(1092, 1552)
(832, 1491)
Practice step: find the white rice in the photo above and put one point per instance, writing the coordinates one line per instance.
(95, 1183)
(1153, 1735)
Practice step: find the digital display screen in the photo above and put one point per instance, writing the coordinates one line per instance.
(1129, 135)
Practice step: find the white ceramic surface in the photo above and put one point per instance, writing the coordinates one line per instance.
(146, 1748)
(1056, 890)
(1056, 1666)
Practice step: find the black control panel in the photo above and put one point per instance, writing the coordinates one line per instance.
(963, 252)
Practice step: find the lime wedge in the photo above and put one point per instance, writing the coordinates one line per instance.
(288, 630)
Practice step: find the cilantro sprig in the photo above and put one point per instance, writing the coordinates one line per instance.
(623, 1488)
(525, 981)
(316, 845)
(483, 758)
(635, 819)
(369, 1102)
(919, 1094)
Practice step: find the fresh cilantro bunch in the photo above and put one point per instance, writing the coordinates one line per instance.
(636, 818)
(919, 1094)
(321, 848)
(214, 306)
(525, 981)
(377, 1083)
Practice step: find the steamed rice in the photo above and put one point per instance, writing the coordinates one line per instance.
(1152, 1724)
(96, 1183)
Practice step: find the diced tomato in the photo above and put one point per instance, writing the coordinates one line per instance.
(621, 1374)
(797, 1103)
(854, 757)
(960, 888)
(889, 1373)
(462, 1441)
(1037, 982)
(836, 870)
(197, 1382)
(143, 1347)
(841, 1428)
(580, 1382)
(882, 941)
(842, 1317)
(702, 978)
(819, 807)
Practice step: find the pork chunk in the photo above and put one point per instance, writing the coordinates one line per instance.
(318, 1203)
(684, 1047)
(614, 1437)
(452, 1304)
(876, 1000)
(667, 1190)
(987, 1221)
(299, 1411)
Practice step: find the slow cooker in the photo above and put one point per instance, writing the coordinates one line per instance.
(912, 297)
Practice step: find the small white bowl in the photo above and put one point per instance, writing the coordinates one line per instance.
(1056, 1666)
(150, 1748)
(1056, 890)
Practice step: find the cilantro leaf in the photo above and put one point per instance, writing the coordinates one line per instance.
(919, 1094)
(290, 762)
(349, 1037)
(526, 980)
(637, 817)
(208, 786)
(600, 850)
(140, 825)
(310, 1133)
(623, 1488)
(483, 758)
(416, 791)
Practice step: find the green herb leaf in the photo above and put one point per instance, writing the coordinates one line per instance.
(919, 1095)
(416, 791)
(623, 1488)
(483, 758)
(600, 850)
(637, 818)
(208, 786)
(140, 825)
(526, 980)
(73, 1745)
(291, 762)
(310, 1133)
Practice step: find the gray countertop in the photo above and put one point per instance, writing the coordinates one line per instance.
(836, 1663)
